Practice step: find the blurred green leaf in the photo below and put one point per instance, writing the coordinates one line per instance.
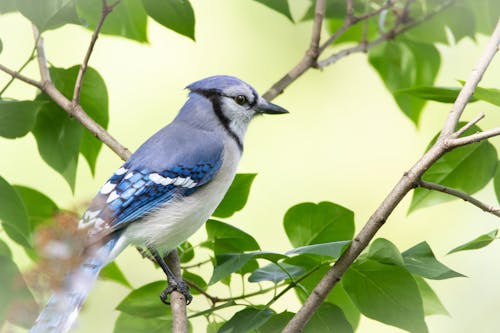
(275, 273)
(489, 95)
(328, 318)
(335, 9)
(478, 242)
(17, 118)
(132, 324)
(486, 14)
(280, 6)
(455, 169)
(420, 260)
(1, 46)
(145, 302)
(496, 182)
(7, 6)
(308, 223)
(438, 94)
(176, 15)
(237, 195)
(49, 14)
(385, 252)
(355, 33)
(225, 238)
(386, 293)
(60, 138)
(213, 326)
(432, 304)
(113, 273)
(40, 208)
(17, 304)
(198, 280)
(14, 216)
(276, 323)
(185, 251)
(332, 249)
(128, 19)
(405, 64)
(246, 320)
(458, 18)
(231, 262)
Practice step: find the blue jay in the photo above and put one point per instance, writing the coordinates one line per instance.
(164, 192)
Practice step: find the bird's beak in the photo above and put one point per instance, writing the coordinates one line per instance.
(264, 106)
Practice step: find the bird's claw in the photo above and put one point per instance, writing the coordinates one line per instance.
(179, 286)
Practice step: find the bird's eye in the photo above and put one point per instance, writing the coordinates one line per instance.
(240, 99)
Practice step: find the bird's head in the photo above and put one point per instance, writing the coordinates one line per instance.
(234, 101)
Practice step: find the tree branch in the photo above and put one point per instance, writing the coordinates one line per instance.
(106, 9)
(17, 75)
(459, 194)
(409, 181)
(40, 55)
(177, 299)
(309, 58)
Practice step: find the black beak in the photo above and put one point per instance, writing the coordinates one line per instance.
(264, 106)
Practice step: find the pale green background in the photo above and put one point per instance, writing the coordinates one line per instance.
(344, 141)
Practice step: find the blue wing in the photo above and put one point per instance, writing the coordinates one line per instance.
(174, 162)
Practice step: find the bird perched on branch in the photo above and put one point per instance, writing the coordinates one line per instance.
(164, 192)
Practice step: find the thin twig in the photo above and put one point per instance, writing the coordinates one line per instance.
(40, 55)
(400, 190)
(467, 126)
(106, 9)
(476, 137)
(21, 77)
(23, 66)
(459, 194)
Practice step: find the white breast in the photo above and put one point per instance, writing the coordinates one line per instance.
(172, 224)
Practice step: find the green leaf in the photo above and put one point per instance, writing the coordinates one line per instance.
(13, 215)
(486, 13)
(432, 304)
(455, 169)
(224, 238)
(17, 118)
(280, 6)
(405, 64)
(198, 280)
(276, 323)
(246, 320)
(60, 138)
(356, 32)
(145, 302)
(176, 15)
(49, 14)
(185, 251)
(131, 324)
(128, 19)
(308, 223)
(478, 242)
(112, 272)
(237, 195)
(335, 9)
(213, 327)
(39, 207)
(496, 182)
(328, 318)
(337, 296)
(17, 304)
(7, 6)
(438, 94)
(229, 263)
(386, 293)
(332, 249)
(489, 95)
(275, 273)
(420, 260)
(385, 252)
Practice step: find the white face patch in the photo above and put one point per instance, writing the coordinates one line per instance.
(107, 188)
(112, 196)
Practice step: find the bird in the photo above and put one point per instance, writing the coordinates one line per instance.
(164, 192)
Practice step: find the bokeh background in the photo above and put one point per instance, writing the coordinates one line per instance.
(345, 141)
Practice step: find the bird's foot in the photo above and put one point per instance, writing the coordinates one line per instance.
(179, 286)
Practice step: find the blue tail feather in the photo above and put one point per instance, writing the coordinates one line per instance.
(64, 305)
